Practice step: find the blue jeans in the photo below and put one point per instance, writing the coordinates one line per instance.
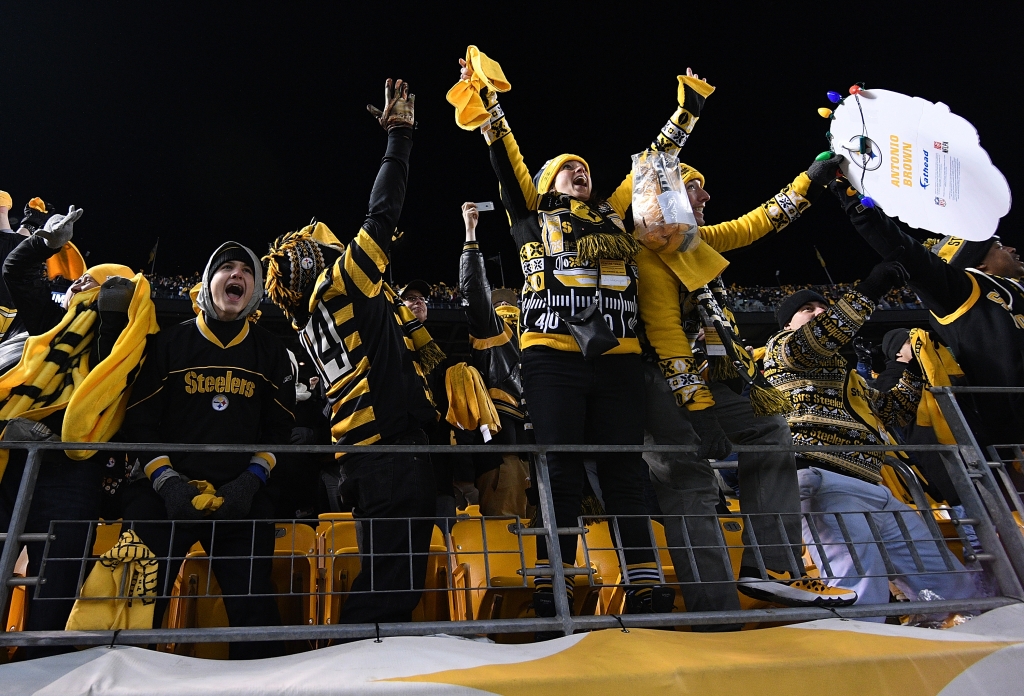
(824, 492)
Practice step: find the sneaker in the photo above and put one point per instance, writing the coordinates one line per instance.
(660, 600)
(803, 591)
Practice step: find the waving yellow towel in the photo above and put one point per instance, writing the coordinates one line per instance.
(469, 405)
(470, 111)
(120, 591)
(938, 365)
(67, 263)
(55, 371)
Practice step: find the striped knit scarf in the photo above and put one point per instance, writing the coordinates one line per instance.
(56, 372)
(765, 399)
(429, 353)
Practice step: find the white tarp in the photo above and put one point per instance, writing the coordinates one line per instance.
(924, 164)
(835, 656)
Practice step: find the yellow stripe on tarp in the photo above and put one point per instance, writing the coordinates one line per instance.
(779, 660)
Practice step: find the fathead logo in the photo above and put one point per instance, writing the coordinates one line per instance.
(924, 171)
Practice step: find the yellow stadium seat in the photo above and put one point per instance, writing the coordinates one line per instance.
(294, 573)
(194, 604)
(106, 535)
(16, 603)
(433, 604)
(488, 551)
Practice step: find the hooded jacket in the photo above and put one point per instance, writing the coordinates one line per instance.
(214, 382)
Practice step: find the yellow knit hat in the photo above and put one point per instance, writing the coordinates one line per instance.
(545, 178)
(689, 174)
(103, 271)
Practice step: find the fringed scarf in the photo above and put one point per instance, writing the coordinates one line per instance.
(728, 357)
(56, 372)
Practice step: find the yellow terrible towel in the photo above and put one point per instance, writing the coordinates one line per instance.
(939, 366)
(56, 372)
(120, 591)
(470, 111)
(469, 405)
(207, 500)
(5, 200)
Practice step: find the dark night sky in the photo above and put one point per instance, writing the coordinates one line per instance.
(198, 125)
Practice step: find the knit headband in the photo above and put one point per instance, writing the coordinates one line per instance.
(294, 262)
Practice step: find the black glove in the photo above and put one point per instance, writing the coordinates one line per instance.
(822, 173)
(178, 494)
(862, 347)
(303, 436)
(116, 295)
(885, 276)
(847, 196)
(714, 444)
(237, 495)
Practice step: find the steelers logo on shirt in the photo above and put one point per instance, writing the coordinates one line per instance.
(306, 263)
(220, 402)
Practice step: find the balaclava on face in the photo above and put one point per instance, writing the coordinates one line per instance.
(231, 251)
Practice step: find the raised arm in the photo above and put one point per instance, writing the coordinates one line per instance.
(897, 407)
(21, 273)
(484, 323)
(673, 135)
(943, 288)
(388, 194)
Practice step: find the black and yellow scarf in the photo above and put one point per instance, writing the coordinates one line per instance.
(56, 372)
(429, 354)
(720, 324)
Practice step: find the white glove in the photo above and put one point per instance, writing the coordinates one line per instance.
(59, 229)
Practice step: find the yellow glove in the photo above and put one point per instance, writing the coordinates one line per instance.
(207, 500)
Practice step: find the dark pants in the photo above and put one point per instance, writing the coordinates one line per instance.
(383, 486)
(573, 400)
(687, 486)
(241, 558)
(65, 490)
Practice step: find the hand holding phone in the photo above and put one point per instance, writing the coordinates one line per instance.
(486, 205)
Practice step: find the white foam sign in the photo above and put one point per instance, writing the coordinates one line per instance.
(921, 163)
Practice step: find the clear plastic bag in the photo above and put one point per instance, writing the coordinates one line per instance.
(662, 217)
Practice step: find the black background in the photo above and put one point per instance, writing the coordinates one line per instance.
(199, 123)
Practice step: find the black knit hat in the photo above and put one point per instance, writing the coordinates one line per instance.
(962, 253)
(235, 252)
(794, 302)
(37, 212)
(893, 342)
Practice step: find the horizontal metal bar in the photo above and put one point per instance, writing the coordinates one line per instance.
(463, 628)
(540, 531)
(450, 449)
(978, 390)
(544, 572)
(18, 581)
(29, 537)
(957, 521)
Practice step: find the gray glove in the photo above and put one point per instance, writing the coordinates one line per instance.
(237, 495)
(399, 107)
(178, 494)
(714, 443)
(59, 229)
(116, 295)
(823, 172)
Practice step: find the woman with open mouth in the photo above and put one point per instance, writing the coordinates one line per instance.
(576, 250)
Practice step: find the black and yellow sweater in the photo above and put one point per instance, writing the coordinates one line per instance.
(667, 307)
(978, 315)
(358, 335)
(562, 240)
(493, 343)
(833, 405)
(196, 387)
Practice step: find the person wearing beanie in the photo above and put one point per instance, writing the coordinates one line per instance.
(373, 356)
(688, 405)
(577, 252)
(109, 311)
(975, 294)
(493, 318)
(832, 405)
(219, 378)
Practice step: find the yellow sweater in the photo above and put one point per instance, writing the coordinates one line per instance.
(667, 278)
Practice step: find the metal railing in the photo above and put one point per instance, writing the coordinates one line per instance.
(481, 570)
